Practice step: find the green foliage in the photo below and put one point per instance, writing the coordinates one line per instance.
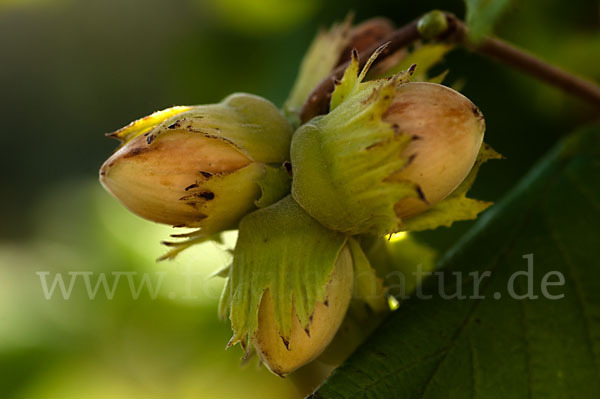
(502, 346)
(482, 14)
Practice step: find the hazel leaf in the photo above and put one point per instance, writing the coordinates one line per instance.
(491, 342)
(482, 16)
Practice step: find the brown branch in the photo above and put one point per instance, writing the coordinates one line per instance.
(541, 70)
(519, 59)
(318, 101)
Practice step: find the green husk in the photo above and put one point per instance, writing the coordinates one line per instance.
(341, 160)
(282, 249)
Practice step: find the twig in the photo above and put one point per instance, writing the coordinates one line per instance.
(519, 59)
(533, 66)
(318, 101)
(456, 31)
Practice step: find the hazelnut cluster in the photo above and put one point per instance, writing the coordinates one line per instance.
(392, 154)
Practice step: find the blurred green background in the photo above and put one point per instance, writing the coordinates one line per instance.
(72, 70)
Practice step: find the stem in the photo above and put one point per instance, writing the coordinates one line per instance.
(519, 59)
(318, 101)
(541, 70)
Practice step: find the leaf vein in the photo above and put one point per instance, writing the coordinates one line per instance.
(583, 305)
(583, 191)
(526, 338)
